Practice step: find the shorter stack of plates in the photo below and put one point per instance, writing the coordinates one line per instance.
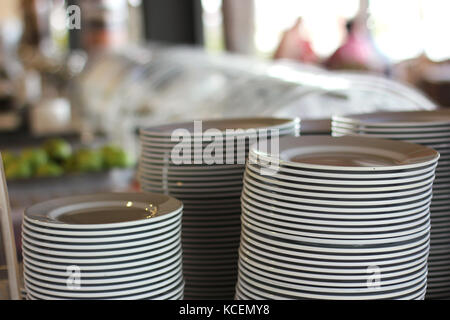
(432, 129)
(210, 192)
(336, 218)
(104, 246)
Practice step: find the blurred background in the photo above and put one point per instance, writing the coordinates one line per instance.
(78, 78)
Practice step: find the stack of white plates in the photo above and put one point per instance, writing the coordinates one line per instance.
(341, 218)
(432, 129)
(104, 246)
(210, 193)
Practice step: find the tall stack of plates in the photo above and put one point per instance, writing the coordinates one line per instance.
(340, 218)
(210, 191)
(432, 129)
(104, 246)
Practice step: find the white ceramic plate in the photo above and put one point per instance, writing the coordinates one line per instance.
(61, 284)
(349, 183)
(154, 207)
(182, 184)
(88, 257)
(320, 260)
(96, 249)
(360, 225)
(408, 288)
(337, 242)
(102, 232)
(338, 202)
(347, 253)
(110, 270)
(222, 124)
(303, 278)
(277, 186)
(336, 215)
(350, 175)
(146, 291)
(349, 154)
(334, 209)
(335, 233)
(120, 275)
(399, 119)
(49, 235)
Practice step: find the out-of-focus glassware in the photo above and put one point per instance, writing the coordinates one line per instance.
(123, 90)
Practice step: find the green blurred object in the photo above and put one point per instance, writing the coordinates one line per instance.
(49, 170)
(8, 158)
(70, 165)
(58, 149)
(115, 157)
(18, 170)
(35, 157)
(88, 160)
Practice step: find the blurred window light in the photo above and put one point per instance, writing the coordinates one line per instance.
(322, 20)
(213, 25)
(401, 29)
(436, 21)
(397, 28)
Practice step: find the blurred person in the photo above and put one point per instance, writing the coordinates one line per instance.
(294, 45)
(357, 52)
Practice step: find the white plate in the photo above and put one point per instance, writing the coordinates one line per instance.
(351, 175)
(303, 278)
(379, 210)
(399, 119)
(408, 288)
(189, 190)
(144, 241)
(208, 137)
(192, 174)
(329, 274)
(335, 233)
(136, 293)
(350, 183)
(390, 135)
(392, 130)
(154, 207)
(102, 232)
(339, 202)
(337, 242)
(48, 235)
(334, 215)
(181, 184)
(110, 269)
(239, 157)
(320, 260)
(347, 189)
(203, 177)
(349, 253)
(277, 186)
(118, 275)
(172, 294)
(361, 225)
(88, 257)
(61, 284)
(222, 124)
(349, 154)
(192, 169)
